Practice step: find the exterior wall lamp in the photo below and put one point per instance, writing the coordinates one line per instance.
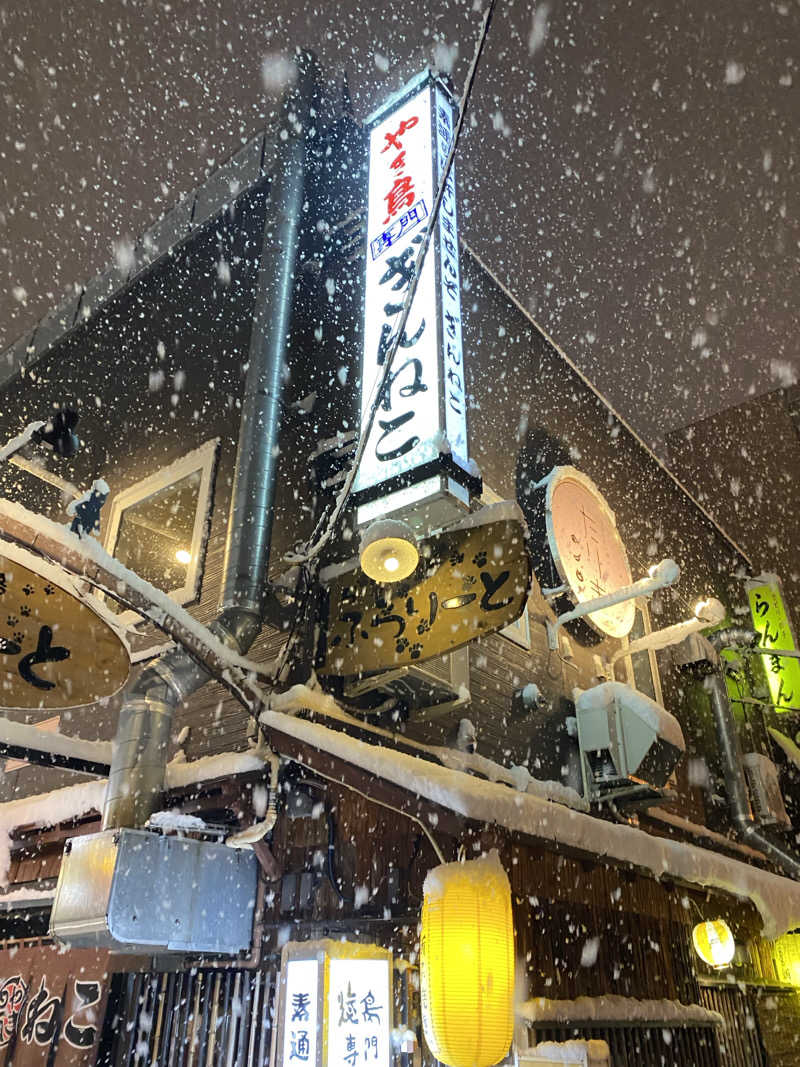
(714, 943)
(467, 962)
(389, 551)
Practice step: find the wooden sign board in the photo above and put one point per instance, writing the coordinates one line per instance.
(55, 650)
(472, 580)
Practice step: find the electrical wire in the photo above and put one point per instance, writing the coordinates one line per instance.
(327, 523)
(372, 800)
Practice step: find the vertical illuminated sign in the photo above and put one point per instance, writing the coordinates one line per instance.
(300, 1012)
(335, 1006)
(420, 428)
(771, 621)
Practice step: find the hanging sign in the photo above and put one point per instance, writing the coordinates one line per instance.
(420, 426)
(335, 1005)
(55, 650)
(472, 580)
(771, 621)
(581, 553)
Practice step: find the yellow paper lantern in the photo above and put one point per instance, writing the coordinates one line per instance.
(713, 942)
(467, 962)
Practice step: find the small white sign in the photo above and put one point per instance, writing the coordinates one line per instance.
(359, 1013)
(301, 1013)
(422, 414)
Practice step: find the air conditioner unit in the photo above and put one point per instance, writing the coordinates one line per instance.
(427, 691)
(765, 791)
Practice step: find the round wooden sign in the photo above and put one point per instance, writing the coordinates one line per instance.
(587, 549)
(56, 651)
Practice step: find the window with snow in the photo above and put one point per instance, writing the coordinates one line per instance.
(158, 526)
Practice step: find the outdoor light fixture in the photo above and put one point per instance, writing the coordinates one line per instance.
(467, 962)
(389, 551)
(182, 556)
(713, 942)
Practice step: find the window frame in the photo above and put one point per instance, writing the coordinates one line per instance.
(641, 605)
(203, 459)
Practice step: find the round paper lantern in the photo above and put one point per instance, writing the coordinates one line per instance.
(713, 942)
(467, 962)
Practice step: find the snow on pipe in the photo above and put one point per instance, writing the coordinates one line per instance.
(136, 779)
(735, 787)
(710, 614)
(665, 573)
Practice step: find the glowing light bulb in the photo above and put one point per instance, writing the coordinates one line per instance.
(182, 556)
(391, 563)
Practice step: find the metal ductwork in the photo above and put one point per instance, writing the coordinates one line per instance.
(733, 772)
(700, 655)
(136, 779)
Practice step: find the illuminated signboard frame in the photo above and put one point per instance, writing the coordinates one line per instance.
(772, 622)
(419, 439)
(557, 567)
(321, 971)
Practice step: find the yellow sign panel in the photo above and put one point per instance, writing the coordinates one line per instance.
(472, 580)
(772, 622)
(786, 957)
(55, 651)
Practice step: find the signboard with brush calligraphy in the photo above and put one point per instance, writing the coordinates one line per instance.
(55, 650)
(473, 579)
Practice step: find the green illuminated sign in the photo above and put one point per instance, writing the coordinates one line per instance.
(771, 621)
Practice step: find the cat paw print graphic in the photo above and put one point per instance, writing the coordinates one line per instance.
(479, 559)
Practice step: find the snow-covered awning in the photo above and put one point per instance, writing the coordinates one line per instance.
(776, 898)
(600, 1011)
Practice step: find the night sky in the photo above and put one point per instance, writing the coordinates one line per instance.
(629, 170)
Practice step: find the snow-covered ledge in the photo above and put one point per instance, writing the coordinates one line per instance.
(600, 1011)
(776, 898)
(73, 801)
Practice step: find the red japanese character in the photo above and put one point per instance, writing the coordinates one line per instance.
(398, 162)
(393, 139)
(399, 196)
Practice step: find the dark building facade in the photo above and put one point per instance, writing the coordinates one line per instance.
(371, 792)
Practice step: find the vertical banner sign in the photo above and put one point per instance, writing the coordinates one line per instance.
(335, 1006)
(301, 1007)
(421, 420)
(359, 1013)
(771, 621)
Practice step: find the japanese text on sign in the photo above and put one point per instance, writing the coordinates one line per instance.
(423, 400)
(39, 1015)
(301, 1012)
(771, 621)
(472, 581)
(359, 1013)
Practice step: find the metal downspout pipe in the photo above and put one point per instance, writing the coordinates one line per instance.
(731, 753)
(136, 778)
